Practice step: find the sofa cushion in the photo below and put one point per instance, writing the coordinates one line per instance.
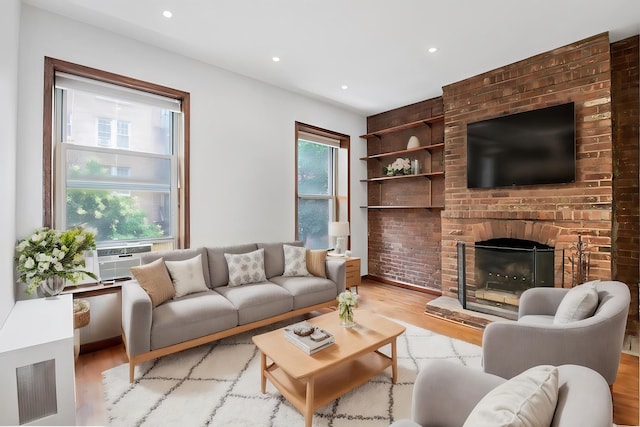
(317, 262)
(179, 255)
(526, 400)
(307, 290)
(579, 303)
(191, 316)
(187, 276)
(155, 280)
(246, 268)
(295, 261)
(218, 270)
(257, 301)
(274, 257)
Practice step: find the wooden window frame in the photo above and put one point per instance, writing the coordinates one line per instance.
(51, 66)
(345, 143)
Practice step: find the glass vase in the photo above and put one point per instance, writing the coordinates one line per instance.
(51, 286)
(346, 317)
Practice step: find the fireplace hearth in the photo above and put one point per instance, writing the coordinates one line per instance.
(502, 270)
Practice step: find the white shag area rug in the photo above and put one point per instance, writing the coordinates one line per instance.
(218, 384)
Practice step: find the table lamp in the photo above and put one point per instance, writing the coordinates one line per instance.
(339, 230)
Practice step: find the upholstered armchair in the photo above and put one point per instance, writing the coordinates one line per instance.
(511, 347)
(445, 394)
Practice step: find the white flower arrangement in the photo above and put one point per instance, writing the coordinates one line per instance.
(48, 253)
(347, 301)
(399, 167)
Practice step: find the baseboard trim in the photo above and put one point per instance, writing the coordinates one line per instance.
(100, 345)
(403, 285)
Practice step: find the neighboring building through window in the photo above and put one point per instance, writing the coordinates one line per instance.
(125, 189)
(321, 184)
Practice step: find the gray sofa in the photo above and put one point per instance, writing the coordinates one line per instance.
(445, 393)
(221, 310)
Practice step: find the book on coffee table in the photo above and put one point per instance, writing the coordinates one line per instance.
(308, 338)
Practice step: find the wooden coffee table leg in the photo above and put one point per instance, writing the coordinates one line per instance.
(263, 368)
(394, 361)
(308, 412)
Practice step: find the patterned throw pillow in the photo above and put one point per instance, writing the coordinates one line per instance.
(246, 268)
(154, 279)
(295, 261)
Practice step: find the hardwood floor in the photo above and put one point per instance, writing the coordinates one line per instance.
(398, 303)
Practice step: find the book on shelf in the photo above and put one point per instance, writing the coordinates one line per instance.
(307, 337)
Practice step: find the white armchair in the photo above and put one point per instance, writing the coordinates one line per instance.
(511, 347)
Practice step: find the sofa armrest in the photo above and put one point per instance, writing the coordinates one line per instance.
(136, 318)
(540, 301)
(445, 393)
(336, 272)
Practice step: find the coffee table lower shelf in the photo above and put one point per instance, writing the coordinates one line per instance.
(330, 385)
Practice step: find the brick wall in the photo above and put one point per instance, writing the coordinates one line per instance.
(625, 96)
(579, 72)
(404, 244)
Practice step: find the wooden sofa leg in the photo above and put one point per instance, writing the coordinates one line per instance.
(132, 369)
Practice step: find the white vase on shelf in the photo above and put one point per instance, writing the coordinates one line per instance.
(414, 142)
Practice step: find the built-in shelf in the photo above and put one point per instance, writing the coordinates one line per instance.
(381, 132)
(402, 152)
(416, 175)
(403, 207)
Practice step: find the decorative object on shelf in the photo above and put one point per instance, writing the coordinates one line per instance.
(579, 260)
(415, 167)
(339, 230)
(399, 167)
(347, 301)
(48, 258)
(414, 142)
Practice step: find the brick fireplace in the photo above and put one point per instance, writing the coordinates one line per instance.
(553, 215)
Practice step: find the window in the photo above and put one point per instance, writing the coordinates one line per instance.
(124, 187)
(321, 184)
(104, 132)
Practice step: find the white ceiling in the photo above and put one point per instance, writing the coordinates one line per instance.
(376, 47)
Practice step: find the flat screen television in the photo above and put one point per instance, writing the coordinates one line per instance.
(530, 148)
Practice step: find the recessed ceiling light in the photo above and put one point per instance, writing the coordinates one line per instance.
(167, 14)
(344, 87)
(276, 59)
(433, 49)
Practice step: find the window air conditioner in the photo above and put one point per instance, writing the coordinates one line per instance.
(114, 262)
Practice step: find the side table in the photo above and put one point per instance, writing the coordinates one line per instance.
(352, 267)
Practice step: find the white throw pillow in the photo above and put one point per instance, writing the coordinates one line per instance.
(246, 268)
(526, 400)
(295, 261)
(187, 276)
(579, 303)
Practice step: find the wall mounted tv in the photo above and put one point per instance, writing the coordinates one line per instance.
(530, 148)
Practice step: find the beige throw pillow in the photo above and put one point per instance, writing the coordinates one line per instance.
(579, 303)
(295, 261)
(187, 276)
(154, 279)
(246, 268)
(526, 400)
(316, 262)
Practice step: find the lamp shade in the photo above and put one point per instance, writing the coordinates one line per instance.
(338, 229)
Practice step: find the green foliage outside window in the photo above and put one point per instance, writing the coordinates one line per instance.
(112, 216)
(314, 165)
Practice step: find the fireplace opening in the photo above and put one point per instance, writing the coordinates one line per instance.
(504, 269)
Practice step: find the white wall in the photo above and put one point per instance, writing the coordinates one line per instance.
(9, 31)
(242, 133)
